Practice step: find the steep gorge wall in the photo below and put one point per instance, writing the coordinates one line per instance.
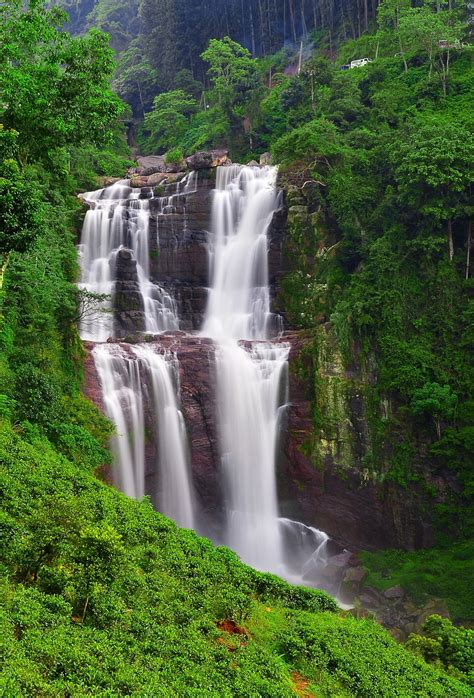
(342, 470)
(323, 474)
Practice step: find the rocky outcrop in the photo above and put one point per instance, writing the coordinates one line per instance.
(204, 160)
(129, 312)
(179, 225)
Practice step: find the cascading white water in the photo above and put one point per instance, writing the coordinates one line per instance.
(119, 218)
(239, 298)
(250, 401)
(120, 379)
(252, 378)
(175, 497)
(251, 384)
(124, 376)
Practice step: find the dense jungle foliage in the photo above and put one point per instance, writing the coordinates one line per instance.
(160, 41)
(101, 595)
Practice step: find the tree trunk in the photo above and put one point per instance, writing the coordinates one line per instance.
(468, 252)
(304, 29)
(315, 19)
(252, 31)
(292, 17)
(450, 240)
(3, 268)
(403, 53)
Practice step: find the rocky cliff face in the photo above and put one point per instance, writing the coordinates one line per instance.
(323, 477)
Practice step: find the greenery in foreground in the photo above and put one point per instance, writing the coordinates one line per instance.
(103, 596)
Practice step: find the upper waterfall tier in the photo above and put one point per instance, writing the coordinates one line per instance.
(115, 252)
(239, 295)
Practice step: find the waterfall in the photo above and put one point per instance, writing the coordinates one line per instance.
(252, 378)
(118, 218)
(175, 496)
(251, 395)
(140, 382)
(125, 377)
(252, 383)
(239, 298)
(120, 380)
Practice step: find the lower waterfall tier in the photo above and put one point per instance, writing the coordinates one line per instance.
(353, 513)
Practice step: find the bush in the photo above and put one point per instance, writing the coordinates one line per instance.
(37, 396)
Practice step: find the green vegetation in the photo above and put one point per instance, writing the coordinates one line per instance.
(445, 645)
(103, 596)
(443, 573)
(55, 107)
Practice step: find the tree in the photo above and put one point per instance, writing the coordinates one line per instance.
(169, 119)
(434, 166)
(437, 401)
(20, 205)
(54, 88)
(233, 71)
(422, 29)
(236, 85)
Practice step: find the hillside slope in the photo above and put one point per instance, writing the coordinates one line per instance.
(102, 596)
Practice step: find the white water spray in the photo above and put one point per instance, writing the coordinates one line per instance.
(175, 496)
(252, 378)
(118, 218)
(124, 376)
(120, 379)
(251, 384)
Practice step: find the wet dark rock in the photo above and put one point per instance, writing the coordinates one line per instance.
(207, 159)
(355, 574)
(394, 593)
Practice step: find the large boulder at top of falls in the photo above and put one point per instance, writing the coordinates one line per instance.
(205, 159)
(155, 164)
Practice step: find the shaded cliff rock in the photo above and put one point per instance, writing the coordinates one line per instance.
(129, 311)
(341, 473)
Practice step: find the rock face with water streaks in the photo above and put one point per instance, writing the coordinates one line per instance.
(353, 512)
(322, 479)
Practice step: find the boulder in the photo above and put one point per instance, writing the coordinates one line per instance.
(151, 164)
(108, 181)
(355, 574)
(252, 163)
(266, 159)
(394, 593)
(156, 178)
(206, 159)
(139, 181)
(176, 166)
